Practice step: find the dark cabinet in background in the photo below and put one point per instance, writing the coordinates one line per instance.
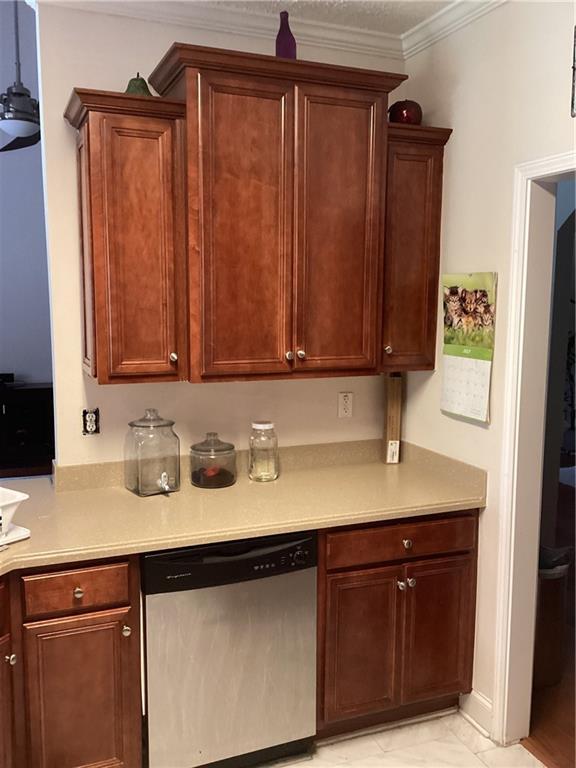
(26, 430)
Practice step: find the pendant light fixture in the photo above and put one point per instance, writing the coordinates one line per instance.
(19, 112)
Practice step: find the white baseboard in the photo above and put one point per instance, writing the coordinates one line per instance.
(477, 709)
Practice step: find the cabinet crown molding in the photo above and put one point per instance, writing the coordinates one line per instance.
(419, 134)
(180, 56)
(85, 100)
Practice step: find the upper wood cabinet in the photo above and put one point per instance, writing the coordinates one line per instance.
(340, 138)
(267, 223)
(412, 246)
(286, 162)
(241, 249)
(131, 176)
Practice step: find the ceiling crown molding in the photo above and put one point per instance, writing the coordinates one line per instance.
(248, 24)
(311, 33)
(447, 21)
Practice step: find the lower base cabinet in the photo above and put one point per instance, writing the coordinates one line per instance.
(398, 634)
(76, 678)
(5, 703)
(83, 700)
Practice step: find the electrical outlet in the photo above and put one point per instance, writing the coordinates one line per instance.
(345, 405)
(91, 421)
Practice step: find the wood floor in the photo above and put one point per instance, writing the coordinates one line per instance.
(552, 733)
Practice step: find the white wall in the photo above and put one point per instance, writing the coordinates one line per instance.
(503, 85)
(93, 50)
(24, 308)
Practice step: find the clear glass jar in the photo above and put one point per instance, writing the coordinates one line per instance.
(152, 455)
(212, 463)
(264, 464)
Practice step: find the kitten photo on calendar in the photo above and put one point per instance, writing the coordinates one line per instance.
(469, 318)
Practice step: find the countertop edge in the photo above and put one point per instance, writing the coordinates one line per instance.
(13, 562)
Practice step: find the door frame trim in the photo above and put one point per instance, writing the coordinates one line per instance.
(517, 576)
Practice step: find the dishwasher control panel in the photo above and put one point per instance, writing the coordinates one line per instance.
(228, 562)
(299, 557)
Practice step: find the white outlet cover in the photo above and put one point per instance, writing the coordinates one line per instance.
(345, 405)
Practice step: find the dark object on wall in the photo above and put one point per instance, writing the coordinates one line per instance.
(26, 430)
(407, 111)
(138, 86)
(285, 41)
(20, 115)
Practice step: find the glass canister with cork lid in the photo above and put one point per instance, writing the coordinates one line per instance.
(213, 463)
(152, 455)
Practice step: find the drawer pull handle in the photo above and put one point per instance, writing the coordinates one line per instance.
(173, 357)
(407, 543)
(78, 593)
(126, 630)
(11, 659)
(301, 354)
(411, 582)
(388, 349)
(289, 355)
(401, 585)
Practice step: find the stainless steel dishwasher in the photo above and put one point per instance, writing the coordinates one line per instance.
(230, 634)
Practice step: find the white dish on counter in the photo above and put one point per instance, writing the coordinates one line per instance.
(9, 503)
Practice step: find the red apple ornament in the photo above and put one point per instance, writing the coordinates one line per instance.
(405, 112)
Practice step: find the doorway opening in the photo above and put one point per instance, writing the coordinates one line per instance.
(552, 730)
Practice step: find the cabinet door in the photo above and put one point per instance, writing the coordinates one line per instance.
(83, 692)
(412, 253)
(363, 625)
(5, 704)
(244, 255)
(439, 629)
(340, 136)
(137, 249)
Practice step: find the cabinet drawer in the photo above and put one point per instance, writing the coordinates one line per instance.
(77, 590)
(399, 542)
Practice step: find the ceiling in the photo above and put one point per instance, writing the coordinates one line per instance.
(394, 17)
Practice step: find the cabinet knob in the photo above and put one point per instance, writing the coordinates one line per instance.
(411, 582)
(126, 630)
(407, 543)
(289, 355)
(11, 659)
(173, 357)
(78, 593)
(388, 349)
(401, 585)
(301, 354)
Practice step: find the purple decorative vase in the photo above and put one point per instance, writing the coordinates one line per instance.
(285, 41)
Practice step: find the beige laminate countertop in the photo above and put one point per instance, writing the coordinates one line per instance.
(69, 526)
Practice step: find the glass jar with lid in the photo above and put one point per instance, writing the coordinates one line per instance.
(152, 455)
(212, 463)
(264, 464)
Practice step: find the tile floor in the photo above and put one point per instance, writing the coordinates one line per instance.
(445, 742)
